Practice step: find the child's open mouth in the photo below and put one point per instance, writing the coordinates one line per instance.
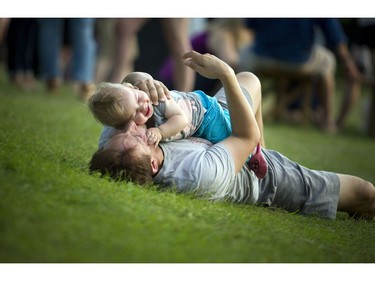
(148, 110)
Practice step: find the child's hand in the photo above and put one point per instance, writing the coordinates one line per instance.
(153, 136)
(156, 90)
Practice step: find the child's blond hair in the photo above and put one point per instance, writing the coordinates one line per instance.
(106, 107)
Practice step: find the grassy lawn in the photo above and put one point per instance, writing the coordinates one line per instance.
(52, 211)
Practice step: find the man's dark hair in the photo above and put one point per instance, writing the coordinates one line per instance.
(122, 165)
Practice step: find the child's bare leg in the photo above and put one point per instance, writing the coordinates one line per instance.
(357, 197)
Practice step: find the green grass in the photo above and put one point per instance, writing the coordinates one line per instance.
(51, 210)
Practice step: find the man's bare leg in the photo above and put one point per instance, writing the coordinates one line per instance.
(357, 197)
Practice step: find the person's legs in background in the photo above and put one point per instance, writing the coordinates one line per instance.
(105, 39)
(81, 32)
(352, 91)
(326, 90)
(126, 30)
(360, 33)
(49, 46)
(176, 33)
(30, 53)
(4, 26)
(21, 52)
(371, 127)
(322, 64)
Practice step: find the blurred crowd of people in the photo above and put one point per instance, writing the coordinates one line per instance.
(85, 51)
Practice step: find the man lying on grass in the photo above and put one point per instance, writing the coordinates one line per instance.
(220, 171)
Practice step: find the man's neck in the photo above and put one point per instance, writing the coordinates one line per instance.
(159, 154)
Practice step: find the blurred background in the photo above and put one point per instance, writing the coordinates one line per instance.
(313, 70)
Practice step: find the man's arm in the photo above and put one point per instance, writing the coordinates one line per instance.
(245, 132)
(135, 77)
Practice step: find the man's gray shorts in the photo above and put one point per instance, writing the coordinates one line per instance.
(293, 187)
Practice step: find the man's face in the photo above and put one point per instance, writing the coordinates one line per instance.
(132, 136)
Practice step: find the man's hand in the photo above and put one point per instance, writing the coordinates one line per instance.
(208, 65)
(156, 90)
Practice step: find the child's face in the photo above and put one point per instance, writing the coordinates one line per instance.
(137, 104)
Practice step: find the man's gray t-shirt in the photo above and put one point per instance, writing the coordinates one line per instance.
(195, 165)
